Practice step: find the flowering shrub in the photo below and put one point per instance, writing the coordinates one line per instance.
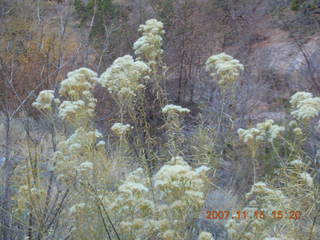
(148, 47)
(78, 84)
(266, 199)
(93, 189)
(74, 155)
(79, 105)
(290, 186)
(224, 66)
(80, 110)
(170, 108)
(178, 195)
(133, 207)
(44, 100)
(266, 131)
(120, 129)
(182, 193)
(305, 106)
(124, 77)
(295, 190)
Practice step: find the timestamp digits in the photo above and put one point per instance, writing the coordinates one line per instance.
(257, 214)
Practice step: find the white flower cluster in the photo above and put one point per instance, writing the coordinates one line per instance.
(73, 154)
(44, 100)
(224, 66)
(305, 105)
(133, 189)
(77, 88)
(124, 77)
(266, 130)
(293, 125)
(297, 163)
(85, 166)
(133, 199)
(177, 187)
(170, 108)
(266, 196)
(81, 140)
(180, 187)
(121, 129)
(77, 110)
(178, 178)
(205, 236)
(266, 199)
(148, 46)
(78, 82)
(306, 178)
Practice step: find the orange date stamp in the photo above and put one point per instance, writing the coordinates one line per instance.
(257, 214)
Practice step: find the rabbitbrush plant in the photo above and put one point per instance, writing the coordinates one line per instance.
(290, 188)
(155, 200)
(144, 178)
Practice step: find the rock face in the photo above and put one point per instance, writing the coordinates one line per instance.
(278, 63)
(287, 64)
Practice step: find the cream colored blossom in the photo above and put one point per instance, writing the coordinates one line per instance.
(305, 106)
(171, 108)
(297, 131)
(75, 153)
(78, 82)
(224, 66)
(306, 178)
(266, 194)
(57, 101)
(178, 176)
(205, 236)
(293, 123)
(132, 188)
(121, 129)
(275, 131)
(178, 205)
(85, 166)
(266, 130)
(296, 99)
(148, 46)
(80, 140)
(202, 169)
(248, 135)
(134, 199)
(177, 187)
(124, 78)
(76, 110)
(75, 147)
(261, 198)
(296, 162)
(44, 100)
(133, 192)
